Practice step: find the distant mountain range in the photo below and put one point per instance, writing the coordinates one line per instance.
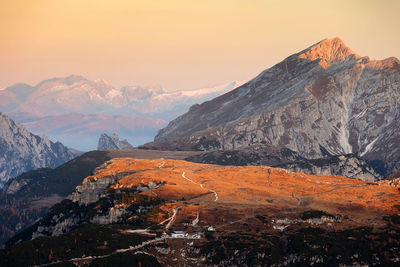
(76, 110)
(325, 100)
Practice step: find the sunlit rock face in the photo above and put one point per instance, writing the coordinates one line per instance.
(323, 100)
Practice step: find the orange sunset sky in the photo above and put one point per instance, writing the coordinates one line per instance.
(180, 44)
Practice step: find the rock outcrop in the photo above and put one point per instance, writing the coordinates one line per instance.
(112, 142)
(93, 201)
(324, 99)
(344, 165)
(22, 151)
(28, 197)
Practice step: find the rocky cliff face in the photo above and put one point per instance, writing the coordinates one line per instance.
(345, 165)
(112, 142)
(324, 99)
(22, 151)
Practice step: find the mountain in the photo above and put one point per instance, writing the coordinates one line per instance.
(163, 212)
(22, 151)
(323, 100)
(73, 108)
(112, 142)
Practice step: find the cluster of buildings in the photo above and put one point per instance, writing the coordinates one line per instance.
(183, 234)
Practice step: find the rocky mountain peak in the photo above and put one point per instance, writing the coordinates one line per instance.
(22, 151)
(325, 97)
(329, 52)
(112, 142)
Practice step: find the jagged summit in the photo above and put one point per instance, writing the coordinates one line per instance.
(22, 151)
(329, 51)
(112, 142)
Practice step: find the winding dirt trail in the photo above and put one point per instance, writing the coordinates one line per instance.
(196, 221)
(131, 248)
(161, 165)
(173, 217)
(201, 185)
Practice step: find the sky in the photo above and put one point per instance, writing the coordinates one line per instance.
(181, 44)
